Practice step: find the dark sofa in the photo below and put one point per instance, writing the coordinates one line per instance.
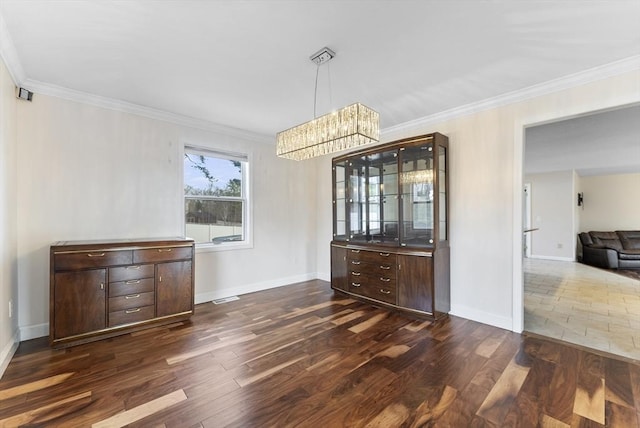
(611, 250)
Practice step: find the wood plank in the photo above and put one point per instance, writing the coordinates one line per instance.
(496, 406)
(141, 411)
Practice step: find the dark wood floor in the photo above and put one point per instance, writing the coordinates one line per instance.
(302, 356)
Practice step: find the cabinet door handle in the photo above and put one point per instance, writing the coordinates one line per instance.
(164, 250)
(355, 262)
(102, 286)
(385, 279)
(132, 311)
(355, 273)
(95, 255)
(355, 251)
(384, 267)
(384, 254)
(355, 284)
(132, 296)
(132, 281)
(133, 267)
(385, 291)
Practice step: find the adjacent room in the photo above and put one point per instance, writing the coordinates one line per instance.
(277, 213)
(582, 175)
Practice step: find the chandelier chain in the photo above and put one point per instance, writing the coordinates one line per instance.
(315, 93)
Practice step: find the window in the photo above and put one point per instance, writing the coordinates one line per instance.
(215, 197)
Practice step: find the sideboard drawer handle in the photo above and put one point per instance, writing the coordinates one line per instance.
(133, 267)
(355, 251)
(95, 255)
(384, 254)
(355, 284)
(132, 296)
(355, 262)
(355, 273)
(384, 267)
(164, 250)
(385, 279)
(385, 291)
(132, 281)
(132, 311)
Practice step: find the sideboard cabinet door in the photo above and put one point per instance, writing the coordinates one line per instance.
(174, 288)
(80, 302)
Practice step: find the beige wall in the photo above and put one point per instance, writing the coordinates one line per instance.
(611, 202)
(8, 236)
(86, 172)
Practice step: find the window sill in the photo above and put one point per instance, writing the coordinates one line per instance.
(210, 248)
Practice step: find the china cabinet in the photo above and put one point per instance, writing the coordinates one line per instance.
(390, 225)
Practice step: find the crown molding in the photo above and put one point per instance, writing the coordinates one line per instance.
(583, 77)
(9, 55)
(126, 107)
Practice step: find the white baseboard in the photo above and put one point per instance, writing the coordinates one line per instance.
(8, 351)
(560, 259)
(252, 288)
(481, 316)
(34, 331)
(324, 276)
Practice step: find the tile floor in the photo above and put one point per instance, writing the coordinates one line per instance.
(583, 305)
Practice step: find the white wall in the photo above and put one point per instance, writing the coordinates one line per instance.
(552, 213)
(8, 236)
(86, 172)
(486, 178)
(611, 202)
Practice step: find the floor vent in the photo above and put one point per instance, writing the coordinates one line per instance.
(225, 300)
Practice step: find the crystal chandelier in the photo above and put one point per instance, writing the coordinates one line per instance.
(349, 127)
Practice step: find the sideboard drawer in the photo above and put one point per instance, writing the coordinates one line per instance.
(131, 301)
(91, 259)
(128, 316)
(131, 286)
(154, 255)
(126, 273)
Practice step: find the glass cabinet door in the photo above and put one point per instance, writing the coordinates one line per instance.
(442, 191)
(416, 183)
(356, 174)
(373, 194)
(384, 226)
(339, 201)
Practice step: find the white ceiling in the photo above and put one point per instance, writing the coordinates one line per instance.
(245, 64)
(601, 143)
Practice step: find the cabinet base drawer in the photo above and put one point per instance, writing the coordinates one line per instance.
(132, 315)
(131, 286)
(130, 301)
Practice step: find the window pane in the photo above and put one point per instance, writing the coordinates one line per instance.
(210, 220)
(212, 176)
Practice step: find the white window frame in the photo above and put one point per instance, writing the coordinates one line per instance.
(247, 212)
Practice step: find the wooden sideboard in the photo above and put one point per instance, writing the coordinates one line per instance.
(101, 289)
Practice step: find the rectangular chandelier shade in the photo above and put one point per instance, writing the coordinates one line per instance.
(349, 127)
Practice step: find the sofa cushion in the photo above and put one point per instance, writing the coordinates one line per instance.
(585, 239)
(629, 254)
(630, 239)
(606, 240)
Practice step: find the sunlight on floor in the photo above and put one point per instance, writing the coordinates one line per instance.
(583, 305)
